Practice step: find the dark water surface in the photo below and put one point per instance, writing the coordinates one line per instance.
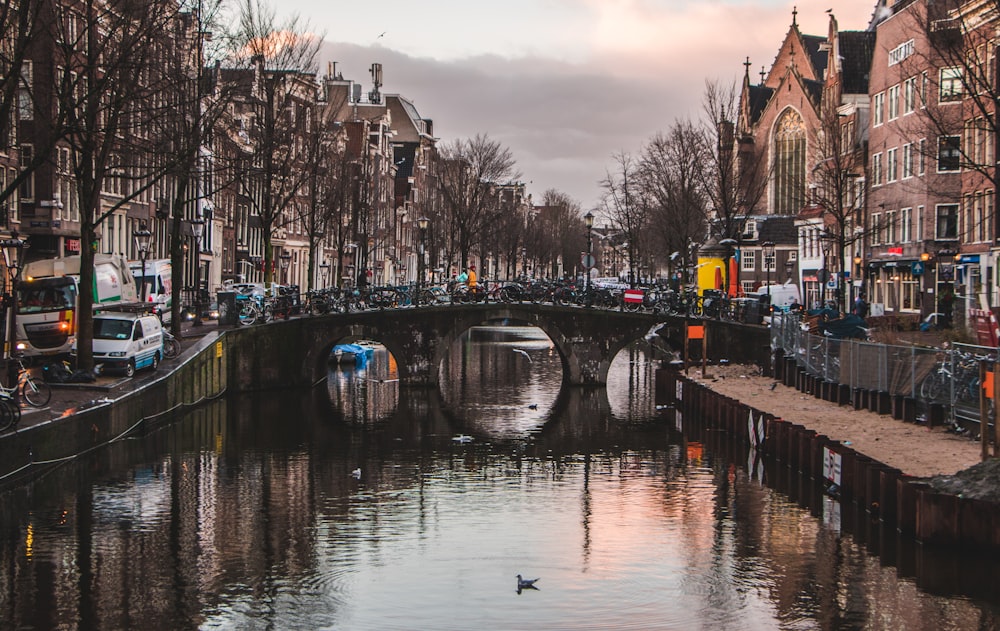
(245, 515)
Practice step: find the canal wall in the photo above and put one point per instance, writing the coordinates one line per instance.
(820, 466)
(202, 374)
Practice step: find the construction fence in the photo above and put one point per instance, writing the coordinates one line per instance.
(949, 377)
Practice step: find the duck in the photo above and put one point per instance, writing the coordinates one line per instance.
(526, 583)
(356, 474)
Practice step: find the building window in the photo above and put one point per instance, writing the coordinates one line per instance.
(27, 191)
(909, 95)
(921, 155)
(750, 230)
(951, 85)
(947, 222)
(789, 163)
(878, 103)
(988, 213)
(25, 109)
(877, 169)
(907, 161)
(906, 225)
(949, 153)
(920, 223)
(749, 260)
(901, 52)
(890, 165)
(769, 262)
(894, 102)
(876, 228)
(793, 255)
(890, 226)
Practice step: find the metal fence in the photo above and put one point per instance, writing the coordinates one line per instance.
(949, 377)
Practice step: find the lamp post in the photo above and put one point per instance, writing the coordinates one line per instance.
(768, 249)
(524, 262)
(324, 272)
(588, 219)
(285, 260)
(826, 274)
(197, 230)
(12, 251)
(422, 223)
(142, 238)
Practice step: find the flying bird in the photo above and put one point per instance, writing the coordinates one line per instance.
(356, 474)
(522, 352)
(462, 438)
(381, 34)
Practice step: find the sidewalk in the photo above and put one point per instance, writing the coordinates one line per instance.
(68, 398)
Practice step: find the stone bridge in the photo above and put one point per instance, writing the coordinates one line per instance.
(295, 352)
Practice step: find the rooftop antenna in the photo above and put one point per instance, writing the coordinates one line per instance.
(375, 96)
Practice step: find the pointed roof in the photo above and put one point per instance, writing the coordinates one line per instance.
(856, 49)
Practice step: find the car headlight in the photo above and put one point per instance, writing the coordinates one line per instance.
(116, 354)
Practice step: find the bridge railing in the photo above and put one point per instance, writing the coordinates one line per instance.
(948, 377)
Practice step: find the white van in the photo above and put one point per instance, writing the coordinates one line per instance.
(126, 342)
(157, 283)
(782, 296)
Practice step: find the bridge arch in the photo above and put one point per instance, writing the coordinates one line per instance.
(296, 352)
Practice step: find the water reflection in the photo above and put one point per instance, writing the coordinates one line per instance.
(244, 514)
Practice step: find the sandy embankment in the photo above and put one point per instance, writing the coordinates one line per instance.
(914, 449)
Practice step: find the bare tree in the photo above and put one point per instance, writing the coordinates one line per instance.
(673, 185)
(284, 56)
(736, 172)
(622, 202)
(840, 166)
(557, 234)
(469, 170)
(111, 88)
(24, 25)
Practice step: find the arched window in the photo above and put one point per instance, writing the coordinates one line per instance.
(789, 163)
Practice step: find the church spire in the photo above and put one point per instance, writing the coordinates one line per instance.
(746, 69)
(795, 13)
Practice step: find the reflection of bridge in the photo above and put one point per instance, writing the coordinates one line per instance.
(295, 352)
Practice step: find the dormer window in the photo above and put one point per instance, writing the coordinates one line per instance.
(750, 229)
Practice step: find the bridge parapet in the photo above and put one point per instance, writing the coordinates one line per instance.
(296, 352)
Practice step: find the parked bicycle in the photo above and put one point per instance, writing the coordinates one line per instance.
(34, 392)
(171, 345)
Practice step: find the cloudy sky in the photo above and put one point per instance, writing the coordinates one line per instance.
(565, 84)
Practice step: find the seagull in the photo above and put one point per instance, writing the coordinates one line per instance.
(526, 583)
(462, 438)
(381, 34)
(356, 474)
(522, 352)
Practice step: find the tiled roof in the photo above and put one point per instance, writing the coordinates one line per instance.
(817, 57)
(814, 88)
(758, 95)
(778, 229)
(856, 48)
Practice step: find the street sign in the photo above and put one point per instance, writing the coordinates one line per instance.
(917, 268)
(633, 295)
(588, 261)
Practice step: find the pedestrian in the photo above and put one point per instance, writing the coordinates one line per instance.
(471, 279)
(860, 306)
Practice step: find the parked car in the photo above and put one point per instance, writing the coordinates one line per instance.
(126, 342)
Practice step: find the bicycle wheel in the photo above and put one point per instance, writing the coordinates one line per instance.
(36, 393)
(8, 415)
(171, 347)
(248, 314)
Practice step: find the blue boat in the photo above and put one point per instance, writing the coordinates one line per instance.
(356, 354)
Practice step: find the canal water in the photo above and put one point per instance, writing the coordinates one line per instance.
(363, 505)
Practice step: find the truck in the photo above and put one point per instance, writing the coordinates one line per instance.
(48, 300)
(158, 281)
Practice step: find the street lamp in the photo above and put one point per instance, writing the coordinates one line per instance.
(285, 260)
(142, 238)
(197, 230)
(324, 272)
(768, 249)
(589, 263)
(422, 223)
(524, 262)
